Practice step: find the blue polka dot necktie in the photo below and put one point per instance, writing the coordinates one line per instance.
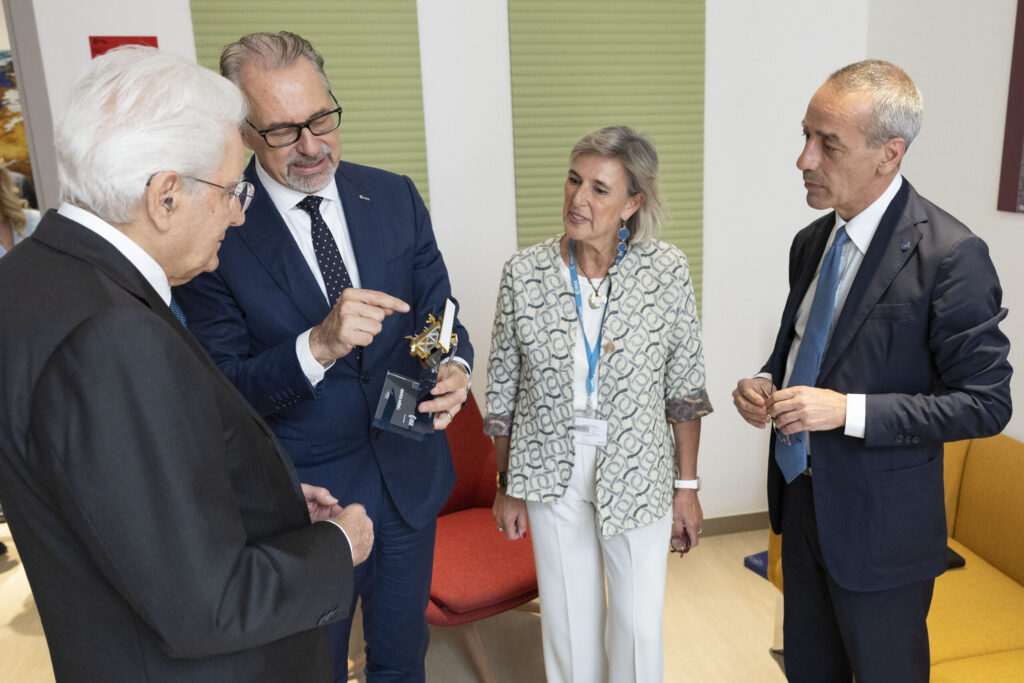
(328, 256)
(792, 457)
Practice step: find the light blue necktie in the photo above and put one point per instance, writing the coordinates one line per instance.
(792, 458)
(178, 313)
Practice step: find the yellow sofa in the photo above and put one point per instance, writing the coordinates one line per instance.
(976, 622)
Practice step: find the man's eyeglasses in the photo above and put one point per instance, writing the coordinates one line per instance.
(242, 190)
(788, 439)
(289, 133)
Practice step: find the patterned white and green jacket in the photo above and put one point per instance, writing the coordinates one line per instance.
(651, 373)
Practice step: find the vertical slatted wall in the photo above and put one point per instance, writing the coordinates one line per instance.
(578, 66)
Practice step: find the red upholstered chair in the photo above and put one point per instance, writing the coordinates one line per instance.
(477, 573)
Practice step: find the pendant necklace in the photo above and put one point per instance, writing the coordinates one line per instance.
(596, 298)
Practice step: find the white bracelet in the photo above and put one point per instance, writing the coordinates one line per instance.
(688, 484)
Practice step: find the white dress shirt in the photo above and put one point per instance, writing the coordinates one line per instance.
(138, 257)
(861, 229)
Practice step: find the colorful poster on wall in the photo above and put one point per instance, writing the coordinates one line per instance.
(13, 145)
(1011, 176)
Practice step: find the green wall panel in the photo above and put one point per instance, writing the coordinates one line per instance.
(579, 66)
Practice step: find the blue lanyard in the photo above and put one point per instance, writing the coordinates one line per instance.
(593, 354)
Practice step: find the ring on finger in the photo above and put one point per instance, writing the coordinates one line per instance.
(451, 415)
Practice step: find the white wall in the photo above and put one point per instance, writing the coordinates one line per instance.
(467, 106)
(959, 57)
(5, 41)
(51, 42)
(764, 61)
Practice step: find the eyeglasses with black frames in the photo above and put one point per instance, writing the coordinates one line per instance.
(289, 133)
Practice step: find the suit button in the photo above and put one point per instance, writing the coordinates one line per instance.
(917, 439)
(365, 377)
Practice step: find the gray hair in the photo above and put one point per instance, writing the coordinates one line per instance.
(897, 105)
(270, 51)
(134, 112)
(640, 161)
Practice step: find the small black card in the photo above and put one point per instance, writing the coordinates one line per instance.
(396, 409)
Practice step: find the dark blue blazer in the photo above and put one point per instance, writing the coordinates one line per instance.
(919, 335)
(249, 311)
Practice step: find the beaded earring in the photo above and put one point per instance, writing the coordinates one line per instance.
(623, 236)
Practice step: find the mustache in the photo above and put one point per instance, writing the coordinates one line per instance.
(298, 157)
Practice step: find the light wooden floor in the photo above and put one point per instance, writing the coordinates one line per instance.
(719, 619)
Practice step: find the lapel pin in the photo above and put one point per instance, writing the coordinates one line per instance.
(905, 245)
(364, 197)
(609, 347)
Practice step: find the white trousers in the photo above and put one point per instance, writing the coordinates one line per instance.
(588, 638)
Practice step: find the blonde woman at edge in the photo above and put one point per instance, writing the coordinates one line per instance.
(17, 221)
(595, 397)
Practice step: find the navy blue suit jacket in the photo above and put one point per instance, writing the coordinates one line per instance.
(249, 311)
(919, 335)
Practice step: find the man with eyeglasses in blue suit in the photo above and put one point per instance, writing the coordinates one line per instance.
(309, 310)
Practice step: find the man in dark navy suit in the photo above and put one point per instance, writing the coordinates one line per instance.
(889, 346)
(309, 310)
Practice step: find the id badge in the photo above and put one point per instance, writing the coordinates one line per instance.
(591, 431)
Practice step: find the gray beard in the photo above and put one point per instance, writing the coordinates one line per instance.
(311, 184)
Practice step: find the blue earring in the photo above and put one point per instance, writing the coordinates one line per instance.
(623, 236)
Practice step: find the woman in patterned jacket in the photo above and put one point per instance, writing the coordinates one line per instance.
(595, 396)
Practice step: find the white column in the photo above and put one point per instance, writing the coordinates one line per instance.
(467, 103)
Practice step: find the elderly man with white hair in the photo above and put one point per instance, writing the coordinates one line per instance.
(164, 532)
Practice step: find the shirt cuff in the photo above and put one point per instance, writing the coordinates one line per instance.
(856, 415)
(347, 539)
(311, 367)
(469, 370)
(763, 375)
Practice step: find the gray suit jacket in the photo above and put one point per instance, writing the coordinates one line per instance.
(162, 527)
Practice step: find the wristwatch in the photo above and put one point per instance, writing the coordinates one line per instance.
(502, 480)
(688, 484)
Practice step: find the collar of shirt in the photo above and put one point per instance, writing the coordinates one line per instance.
(285, 198)
(862, 227)
(138, 257)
